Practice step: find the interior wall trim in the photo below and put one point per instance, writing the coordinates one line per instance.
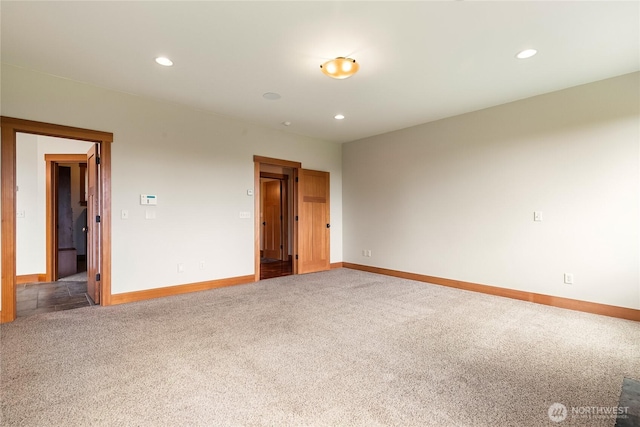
(560, 302)
(277, 162)
(179, 289)
(335, 265)
(30, 278)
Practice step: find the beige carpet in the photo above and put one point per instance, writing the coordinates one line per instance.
(340, 348)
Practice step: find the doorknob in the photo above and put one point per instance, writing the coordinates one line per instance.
(85, 229)
(328, 225)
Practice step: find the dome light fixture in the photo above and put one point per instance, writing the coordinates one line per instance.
(340, 68)
(339, 117)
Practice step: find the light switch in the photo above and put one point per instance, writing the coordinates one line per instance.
(537, 216)
(20, 214)
(245, 215)
(150, 214)
(249, 192)
(124, 214)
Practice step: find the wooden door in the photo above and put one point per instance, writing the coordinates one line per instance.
(93, 225)
(272, 220)
(313, 221)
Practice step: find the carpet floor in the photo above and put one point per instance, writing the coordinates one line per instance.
(338, 348)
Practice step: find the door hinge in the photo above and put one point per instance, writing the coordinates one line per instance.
(97, 218)
(97, 160)
(297, 179)
(281, 247)
(296, 217)
(98, 277)
(296, 256)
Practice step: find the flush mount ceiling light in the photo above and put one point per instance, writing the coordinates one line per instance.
(338, 116)
(340, 68)
(527, 53)
(164, 61)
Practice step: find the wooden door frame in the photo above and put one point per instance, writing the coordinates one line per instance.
(10, 127)
(51, 208)
(257, 162)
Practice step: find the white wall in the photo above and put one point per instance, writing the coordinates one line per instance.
(30, 236)
(198, 164)
(455, 198)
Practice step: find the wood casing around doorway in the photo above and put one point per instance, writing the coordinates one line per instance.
(51, 160)
(10, 127)
(258, 161)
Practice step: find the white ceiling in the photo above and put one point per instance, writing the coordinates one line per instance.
(419, 61)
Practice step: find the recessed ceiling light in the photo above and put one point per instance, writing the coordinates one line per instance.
(271, 96)
(527, 53)
(338, 116)
(164, 61)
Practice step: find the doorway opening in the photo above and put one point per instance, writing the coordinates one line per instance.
(66, 207)
(65, 282)
(98, 200)
(303, 232)
(276, 216)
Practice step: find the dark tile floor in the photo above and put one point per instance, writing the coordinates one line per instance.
(35, 298)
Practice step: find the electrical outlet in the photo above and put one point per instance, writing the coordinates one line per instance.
(201, 265)
(180, 268)
(20, 214)
(364, 252)
(568, 278)
(368, 252)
